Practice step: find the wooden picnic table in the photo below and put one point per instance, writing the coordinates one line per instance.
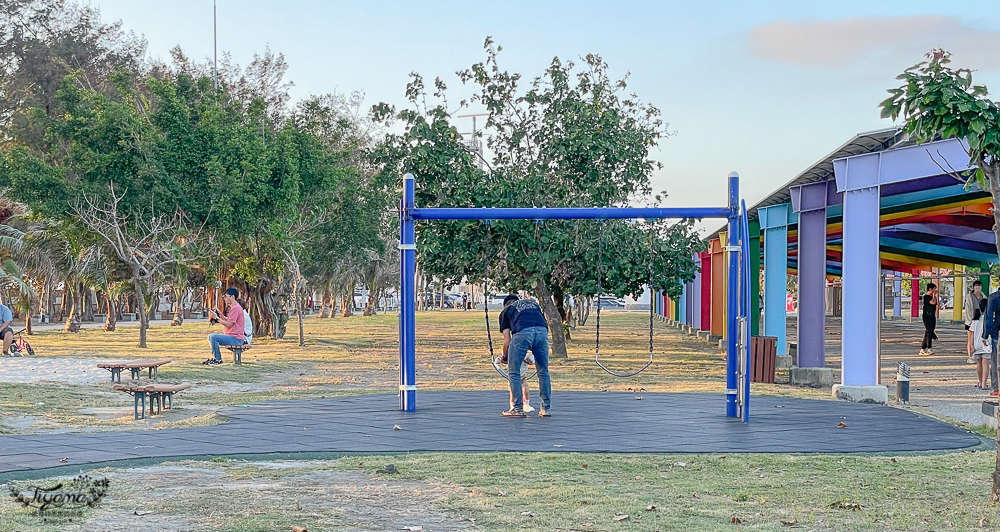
(157, 393)
(135, 367)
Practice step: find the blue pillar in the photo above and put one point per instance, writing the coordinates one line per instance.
(897, 291)
(732, 301)
(774, 226)
(809, 202)
(689, 304)
(682, 305)
(407, 318)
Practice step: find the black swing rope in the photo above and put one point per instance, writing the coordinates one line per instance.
(494, 358)
(597, 346)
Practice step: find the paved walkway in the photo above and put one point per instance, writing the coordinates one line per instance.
(591, 422)
(940, 384)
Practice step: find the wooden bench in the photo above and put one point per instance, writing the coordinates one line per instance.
(238, 352)
(156, 393)
(135, 367)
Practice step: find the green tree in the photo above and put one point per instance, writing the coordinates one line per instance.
(938, 102)
(574, 138)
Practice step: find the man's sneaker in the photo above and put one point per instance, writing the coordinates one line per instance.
(512, 413)
(994, 394)
(212, 362)
(544, 412)
(528, 408)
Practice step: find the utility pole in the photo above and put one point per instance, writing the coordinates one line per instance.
(474, 145)
(215, 43)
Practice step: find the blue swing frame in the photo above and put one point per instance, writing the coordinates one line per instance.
(737, 359)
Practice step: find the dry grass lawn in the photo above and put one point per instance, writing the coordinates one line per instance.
(346, 356)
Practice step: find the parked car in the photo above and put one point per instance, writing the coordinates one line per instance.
(434, 300)
(612, 302)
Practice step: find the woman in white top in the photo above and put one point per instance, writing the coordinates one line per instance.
(969, 308)
(981, 347)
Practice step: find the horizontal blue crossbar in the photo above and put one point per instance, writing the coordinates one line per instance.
(568, 213)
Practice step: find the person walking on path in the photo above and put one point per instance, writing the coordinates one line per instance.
(234, 324)
(969, 308)
(523, 326)
(981, 347)
(991, 326)
(930, 301)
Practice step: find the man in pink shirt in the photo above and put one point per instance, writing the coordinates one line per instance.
(233, 323)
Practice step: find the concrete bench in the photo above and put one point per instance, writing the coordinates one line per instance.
(156, 393)
(135, 367)
(238, 352)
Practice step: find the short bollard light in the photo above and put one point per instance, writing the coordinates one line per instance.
(903, 383)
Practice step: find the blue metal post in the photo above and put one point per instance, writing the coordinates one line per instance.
(732, 305)
(407, 318)
(897, 290)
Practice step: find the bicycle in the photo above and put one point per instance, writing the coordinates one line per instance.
(20, 345)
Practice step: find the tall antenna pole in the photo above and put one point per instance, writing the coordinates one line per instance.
(215, 43)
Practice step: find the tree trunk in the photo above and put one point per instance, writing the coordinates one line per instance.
(66, 298)
(558, 340)
(73, 320)
(140, 302)
(88, 304)
(325, 303)
(299, 310)
(560, 299)
(583, 307)
(347, 305)
(296, 296)
(27, 322)
(111, 322)
(179, 293)
(992, 172)
(370, 304)
(269, 317)
(333, 305)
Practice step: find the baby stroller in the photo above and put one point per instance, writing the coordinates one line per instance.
(20, 346)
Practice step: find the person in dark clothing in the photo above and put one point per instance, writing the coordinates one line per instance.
(991, 327)
(929, 317)
(523, 326)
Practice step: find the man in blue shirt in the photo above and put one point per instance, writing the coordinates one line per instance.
(523, 326)
(991, 328)
(6, 318)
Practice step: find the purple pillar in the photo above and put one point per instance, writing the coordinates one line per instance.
(810, 201)
(696, 315)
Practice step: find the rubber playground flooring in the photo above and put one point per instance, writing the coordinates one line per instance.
(470, 421)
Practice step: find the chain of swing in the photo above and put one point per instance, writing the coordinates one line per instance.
(496, 359)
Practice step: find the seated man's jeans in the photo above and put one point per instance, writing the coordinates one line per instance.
(215, 340)
(537, 340)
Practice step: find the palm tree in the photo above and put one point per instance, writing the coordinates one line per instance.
(15, 278)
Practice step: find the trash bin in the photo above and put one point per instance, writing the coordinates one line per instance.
(763, 350)
(903, 383)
